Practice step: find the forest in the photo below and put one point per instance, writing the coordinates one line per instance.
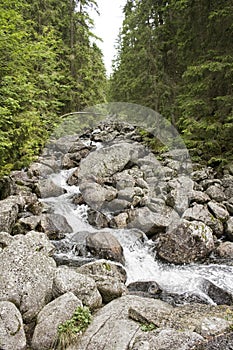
(174, 56)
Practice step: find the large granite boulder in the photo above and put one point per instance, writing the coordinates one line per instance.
(84, 287)
(122, 325)
(12, 334)
(189, 242)
(55, 313)
(27, 272)
(108, 161)
(105, 246)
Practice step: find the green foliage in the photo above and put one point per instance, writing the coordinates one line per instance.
(70, 329)
(176, 57)
(147, 327)
(49, 66)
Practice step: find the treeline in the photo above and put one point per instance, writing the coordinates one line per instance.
(176, 56)
(50, 64)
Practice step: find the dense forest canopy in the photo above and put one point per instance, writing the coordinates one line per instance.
(50, 64)
(174, 56)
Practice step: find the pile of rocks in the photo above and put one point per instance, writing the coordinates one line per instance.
(184, 212)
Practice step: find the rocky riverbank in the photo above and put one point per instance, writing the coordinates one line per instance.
(184, 209)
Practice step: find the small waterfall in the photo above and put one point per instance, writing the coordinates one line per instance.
(141, 262)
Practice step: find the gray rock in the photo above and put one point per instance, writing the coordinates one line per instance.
(229, 205)
(144, 288)
(166, 339)
(150, 222)
(12, 334)
(41, 170)
(189, 242)
(218, 210)
(124, 180)
(6, 187)
(200, 212)
(27, 273)
(9, 210)
(119, 221)
(26, 224)
(97, 219)
(104, 268)
(229, 228)
(225, 250)
(46, 188)
(5, 239)
(54, 225)
(216, 193)
(220, 342)
(106, 246)
(84, 287)
(58, 311)
(199, 197)
(96, 195)
(111, 326)
(211, 326)
(110, 288)
(107, 161)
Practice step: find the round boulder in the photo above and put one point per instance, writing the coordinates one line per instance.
(105, 246)
(188, 242)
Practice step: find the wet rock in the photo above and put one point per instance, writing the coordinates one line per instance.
(189, 242)
(97, 219)
(9, 210)
(229, 228)
(84, 287)
(105, 246)
(217, 294)
(144, 288)
(73, 178)
(47, 188)
(27, 273)
(119, 221)
(54, 225)
(78, 199)
(218, 210)
(68, 163)
(12, 334)
(50, 317)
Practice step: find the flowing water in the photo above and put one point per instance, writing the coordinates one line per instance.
(141, 263)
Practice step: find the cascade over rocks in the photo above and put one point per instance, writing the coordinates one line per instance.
(121, 186)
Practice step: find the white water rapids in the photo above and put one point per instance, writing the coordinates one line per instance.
(141, 263)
